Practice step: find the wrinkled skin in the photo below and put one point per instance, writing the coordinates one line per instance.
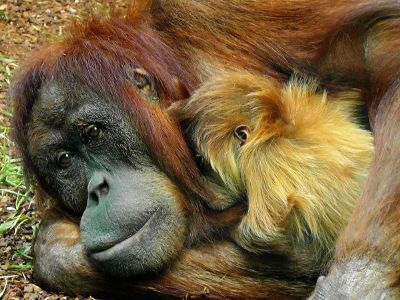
(130, 204)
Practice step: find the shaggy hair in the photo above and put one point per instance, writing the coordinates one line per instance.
(302, 166)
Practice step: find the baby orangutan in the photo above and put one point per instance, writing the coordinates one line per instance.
(298, 156)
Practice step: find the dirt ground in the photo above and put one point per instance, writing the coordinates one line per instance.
(24, 26)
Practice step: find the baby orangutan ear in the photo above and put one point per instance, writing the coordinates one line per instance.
(242, 133)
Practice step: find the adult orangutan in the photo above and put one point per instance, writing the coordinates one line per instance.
(128, 197)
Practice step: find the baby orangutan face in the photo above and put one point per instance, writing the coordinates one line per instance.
(297, 156)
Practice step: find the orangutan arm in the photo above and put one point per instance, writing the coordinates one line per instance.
(60, 262)
(367, 257)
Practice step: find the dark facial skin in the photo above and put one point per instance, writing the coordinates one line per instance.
(91, 159)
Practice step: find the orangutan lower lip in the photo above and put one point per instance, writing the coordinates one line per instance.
(121, 247)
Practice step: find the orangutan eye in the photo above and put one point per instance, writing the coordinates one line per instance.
(242, 133)
(64, 159)
(90, 132)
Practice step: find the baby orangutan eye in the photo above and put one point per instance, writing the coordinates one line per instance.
(242, 133)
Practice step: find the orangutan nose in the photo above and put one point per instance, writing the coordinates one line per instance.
(98, 188)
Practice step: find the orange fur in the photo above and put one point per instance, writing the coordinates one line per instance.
(302, 167)
(343, 43)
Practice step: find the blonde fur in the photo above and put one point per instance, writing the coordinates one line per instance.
(302, 167)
